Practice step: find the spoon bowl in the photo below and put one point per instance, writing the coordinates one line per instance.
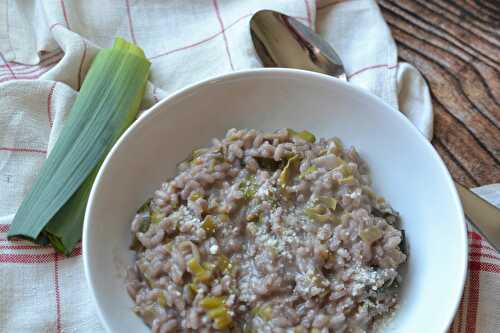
(282, 41)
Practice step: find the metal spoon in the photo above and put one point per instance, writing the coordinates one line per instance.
(282, 41)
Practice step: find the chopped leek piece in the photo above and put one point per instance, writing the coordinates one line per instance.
(211, 165)
(339, 146)
(107, 104)
(209, 225)
(304, 135)
(224, 265)
(328, 202)
(146, 221)
(209, 266)
(346, 171)
(216, 312)
(195, 196)
(336, 220)
(308, 136)
(214, 161)
(346, 180)
(223, 321)
(308, 171)
(233, 137)
(212, 302)
(318, 213)
(149, 282)
(248, 187)
(156, 217)
(264, 312)
(193, 287)
(371, 234)
(144, 208)
(200, 273)
(318, 209)
(291, 164)
(162, 299)
(136, 245)
(219, 159)
(204, 277)
(198, 152)
(194, 267)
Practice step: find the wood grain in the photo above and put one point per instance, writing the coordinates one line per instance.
(456, 46)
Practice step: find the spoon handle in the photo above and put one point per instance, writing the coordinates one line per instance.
(482, 214)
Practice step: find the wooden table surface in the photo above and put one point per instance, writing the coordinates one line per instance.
(456, 46)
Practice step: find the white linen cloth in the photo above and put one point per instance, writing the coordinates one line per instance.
(46, 48)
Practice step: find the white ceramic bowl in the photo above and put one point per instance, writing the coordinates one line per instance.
(405, 169)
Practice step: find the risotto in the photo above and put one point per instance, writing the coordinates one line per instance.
(267, 232)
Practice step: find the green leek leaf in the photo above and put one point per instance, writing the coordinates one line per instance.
(304, 135)
(107, 104)
(291, 164)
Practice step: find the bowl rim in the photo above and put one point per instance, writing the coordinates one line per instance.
(278, 72)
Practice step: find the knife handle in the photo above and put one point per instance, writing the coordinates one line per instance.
(484, 216)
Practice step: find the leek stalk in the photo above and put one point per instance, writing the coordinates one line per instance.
(107, 104)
